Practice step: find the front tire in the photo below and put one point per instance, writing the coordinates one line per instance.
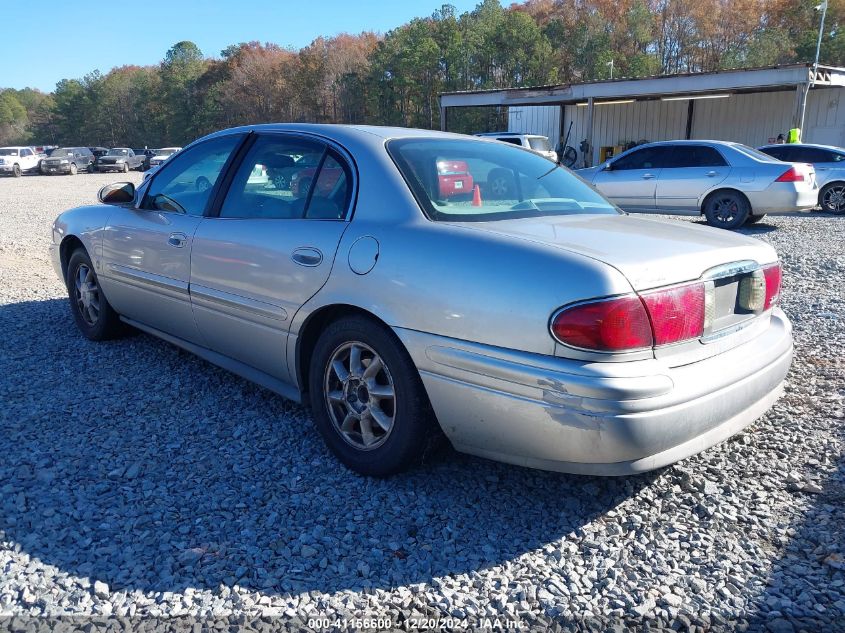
(92, 313)
(16, 170)
(367, 399)
(832, 198)
(727, 210)
(125, 168)
(73, 169)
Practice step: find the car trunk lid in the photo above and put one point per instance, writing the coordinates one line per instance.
(649, 252)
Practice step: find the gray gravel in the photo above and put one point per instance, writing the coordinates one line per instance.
(136, 479)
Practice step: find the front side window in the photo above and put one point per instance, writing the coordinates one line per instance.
(474, 181)
(287, 177)
(25, 153)
(185, 183)
(645, 158)
(781, 153)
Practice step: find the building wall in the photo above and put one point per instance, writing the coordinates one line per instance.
(752, 119)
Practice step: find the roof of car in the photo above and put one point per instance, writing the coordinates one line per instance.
(813, 145)
(331, 129)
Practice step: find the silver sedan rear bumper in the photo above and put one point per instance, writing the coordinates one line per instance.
(783, 197)
(597, 418)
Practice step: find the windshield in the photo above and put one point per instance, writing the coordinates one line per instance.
(118, 151)
(165, 152)
(62, 151)
(539, 143)
(474, 181)
(6, 151)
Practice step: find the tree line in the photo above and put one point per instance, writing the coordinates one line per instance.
(394, 78)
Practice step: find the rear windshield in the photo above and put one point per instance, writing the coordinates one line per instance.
(6, 151)
(754, 153)
(474, 181)
(165, 152)
(539, 143)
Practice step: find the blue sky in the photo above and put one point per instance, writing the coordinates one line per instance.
(48, 41)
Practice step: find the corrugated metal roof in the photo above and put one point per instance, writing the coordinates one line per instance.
(647, 77)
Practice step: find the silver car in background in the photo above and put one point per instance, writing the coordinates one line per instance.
(731, 184)
(541, 327)
(829, 163)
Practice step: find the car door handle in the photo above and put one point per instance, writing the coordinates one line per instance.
(177, 240)
(306, 256)
(712, 174)
(648, 176)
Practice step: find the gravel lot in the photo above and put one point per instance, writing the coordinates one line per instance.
(136, 479)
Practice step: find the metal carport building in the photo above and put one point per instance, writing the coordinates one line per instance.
(751, 106)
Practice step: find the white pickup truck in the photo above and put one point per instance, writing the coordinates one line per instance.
(17, 160)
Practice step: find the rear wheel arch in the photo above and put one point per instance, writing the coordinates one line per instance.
(710, 194)
(723, 190)
(314, 326)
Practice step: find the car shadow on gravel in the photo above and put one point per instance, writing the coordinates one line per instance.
(133, 463)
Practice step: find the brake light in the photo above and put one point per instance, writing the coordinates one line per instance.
(626, 323)
(677, 314)
(773, 275)
(611, 325)
(793, 174)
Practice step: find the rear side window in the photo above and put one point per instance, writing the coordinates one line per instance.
(288, 177)
(185, 183)
(696, 156)
(510, 139)
(645, 158)
(816, 155)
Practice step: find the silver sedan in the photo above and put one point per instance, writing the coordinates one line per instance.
(829, 163)
(406, 300)
(731, 184)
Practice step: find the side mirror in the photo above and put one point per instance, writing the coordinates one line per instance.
(608, 166)
(117, 193)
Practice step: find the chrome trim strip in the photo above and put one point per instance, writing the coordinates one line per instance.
(143, 279)
(253, 307)
(729, 270)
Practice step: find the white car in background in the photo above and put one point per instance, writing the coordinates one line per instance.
(534, 142)
(16, 160)
(162, 155)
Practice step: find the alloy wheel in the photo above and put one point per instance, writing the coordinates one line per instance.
(87, 294)
(834, 199)
(726, 209)
(360, 395)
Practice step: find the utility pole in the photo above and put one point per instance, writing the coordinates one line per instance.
(610, 63)
(823, 8)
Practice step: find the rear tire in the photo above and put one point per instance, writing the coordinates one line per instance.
(727, 210)
(832, 198)
(92, 313)
(754, 219)
(500, 184)
(377, 423)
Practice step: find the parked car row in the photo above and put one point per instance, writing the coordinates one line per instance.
(19, 160)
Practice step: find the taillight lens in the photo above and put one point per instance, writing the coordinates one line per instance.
(611, 325)
(626, 323)
(677, 314)
(773, 276)
(793, 174)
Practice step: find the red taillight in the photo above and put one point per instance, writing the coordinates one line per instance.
(793, 174)
(773, 277)
(659, 317)
(677, 314)
(611, 325)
